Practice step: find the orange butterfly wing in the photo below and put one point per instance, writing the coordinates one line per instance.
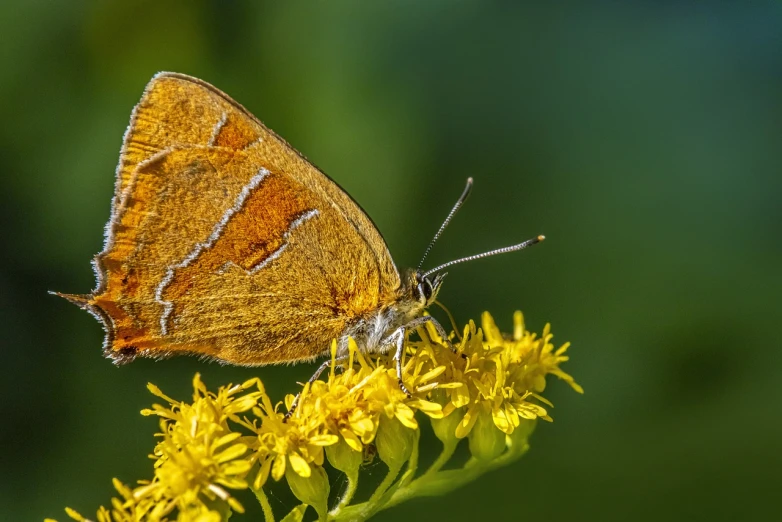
(226, 242)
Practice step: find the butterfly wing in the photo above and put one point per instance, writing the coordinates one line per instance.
(224, 241)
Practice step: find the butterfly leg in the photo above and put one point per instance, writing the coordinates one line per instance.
(398, 338)
(440, 331)
(315, 376)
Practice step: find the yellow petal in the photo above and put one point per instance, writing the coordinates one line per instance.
(121, 488)
(490, 331)
(244, 403)
(235, 505)
(363, 425)
(236, 468)
(254, 381)
(351, 439)
(333, 359)
(542, 399)
(299, 465)
(518, 326)
(233, 482)
(510, 413)
(225, 439)
(467, 422)
(450, 385)
(461, 396)
(327, 439)
(198, 385)
(263, 474)
(430, 408)
(406, 416)
(501, 420)
(426, 388)
(235, 451)
(431, 332)
(562, 349)
(74, 514)
(289, 398)
(482, 388)
(278, 467)
(431, 374)
(156, 391)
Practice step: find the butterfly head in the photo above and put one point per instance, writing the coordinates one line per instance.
(425, 287)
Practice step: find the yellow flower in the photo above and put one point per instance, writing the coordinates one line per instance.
(341, 402)
(533, 358)
(348, 414)
(376, 382)
(199, 455)
(418, 375)
(198, 513)
(297, 442)
(500, 376)
(126, 509)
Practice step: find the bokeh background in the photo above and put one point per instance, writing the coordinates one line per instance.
(643, 138)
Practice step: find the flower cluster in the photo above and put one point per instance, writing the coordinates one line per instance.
(486, 387)
(494, 378)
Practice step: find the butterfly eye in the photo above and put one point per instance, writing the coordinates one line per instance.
(426, 290)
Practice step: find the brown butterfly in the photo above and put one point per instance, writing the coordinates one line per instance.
(225, 242)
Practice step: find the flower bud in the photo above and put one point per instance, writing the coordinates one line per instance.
(521, 433)
(394, 442)
(518, 441)
(445, 428)
(487, 442)
(312, 490)
(343, 457)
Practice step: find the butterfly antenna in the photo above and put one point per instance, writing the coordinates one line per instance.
(513, 248)
(451, 214)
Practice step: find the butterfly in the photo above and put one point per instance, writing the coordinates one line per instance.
(225, 242)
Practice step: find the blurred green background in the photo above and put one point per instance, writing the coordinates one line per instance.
(643, 138)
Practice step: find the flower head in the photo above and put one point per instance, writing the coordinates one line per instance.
(532, 357)
(501, 376)
(199, 455)
(279, 443)
(124, 509)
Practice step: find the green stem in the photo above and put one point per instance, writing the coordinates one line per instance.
(387, 481)
(365, 510)
(412, 462)
(432, 482)
(441, 482)
(268, 514)
(348, 495)
(448, 449)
